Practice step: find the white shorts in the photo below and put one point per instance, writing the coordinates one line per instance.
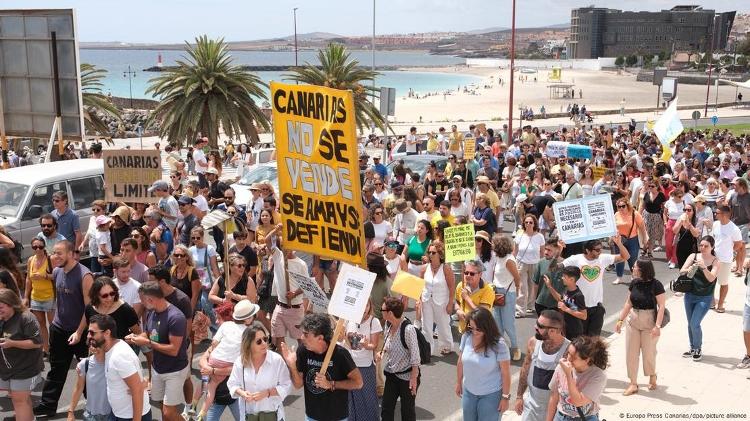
(19, 385)
(168, 387)
(725, 271)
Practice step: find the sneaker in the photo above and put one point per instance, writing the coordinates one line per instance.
(658, 248)
(688, 354)
(697, 355)
(530, 311)
(745, 363)
(44, 412)
(671, 265)
(519, 315)
(516, 354)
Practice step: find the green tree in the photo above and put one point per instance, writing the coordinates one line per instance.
(206, 92)
(631, 60)
(619, 61)
(96, 105)
(338, 71)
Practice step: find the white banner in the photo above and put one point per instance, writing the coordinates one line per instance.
(311, 289)
(584, 219)
(351, 293)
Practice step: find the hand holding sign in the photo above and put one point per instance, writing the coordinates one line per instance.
(408, 285)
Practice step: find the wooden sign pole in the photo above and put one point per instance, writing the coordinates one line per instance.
(336, 333)
(226, 252)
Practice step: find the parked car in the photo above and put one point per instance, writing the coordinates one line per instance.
(419, 163)
(255, 174)
(26, 194)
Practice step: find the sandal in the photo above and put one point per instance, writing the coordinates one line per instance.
(720, 309)
(652, 382)
(631, 390)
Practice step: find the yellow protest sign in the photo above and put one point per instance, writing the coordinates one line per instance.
(598, 172)
(129, 173)
(470, 148)
(408, 285)
(459, 243)
(320, 202)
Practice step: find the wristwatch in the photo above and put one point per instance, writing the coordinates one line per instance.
(505, 396)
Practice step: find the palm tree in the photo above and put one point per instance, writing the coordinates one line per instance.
(338, 71)
(207, 92)
(95, 104)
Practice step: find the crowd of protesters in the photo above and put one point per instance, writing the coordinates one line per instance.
(152, 280)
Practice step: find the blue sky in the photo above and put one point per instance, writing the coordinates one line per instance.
(236, 20)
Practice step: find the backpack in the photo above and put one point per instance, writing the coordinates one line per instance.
(424, 347)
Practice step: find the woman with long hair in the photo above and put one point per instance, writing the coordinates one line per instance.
(260, 379)
(703, 267)
(528, 251)
(506, 280)
(235, 287)
(483, 369)
(642, 315)
(686, 233)
(104, 298)
(579, 380)
(363, 339)
(183, 274)
(437, 305)
(137, 216)
(144, 245)
(629, 223)
(267, 232)
(21, 353)
(8, 262)
(39, 293)
(383, 228)
(652, 210)
(483, 250)
(587, 181)
(205, 258)
(98, 207)
(674, 208)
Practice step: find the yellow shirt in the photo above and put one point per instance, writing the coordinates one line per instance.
(494, 200)
(432, 145)
(437, 217)
(456, 141)
(482, 296)
(41, 280)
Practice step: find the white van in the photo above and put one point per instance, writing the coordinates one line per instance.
(26, 194)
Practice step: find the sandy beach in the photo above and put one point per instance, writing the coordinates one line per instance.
(601, 90)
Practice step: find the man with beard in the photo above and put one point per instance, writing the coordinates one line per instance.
(548, 276)
(165, 331)
(49, 233)
(543, 352)
(125, 387)
(72, 283)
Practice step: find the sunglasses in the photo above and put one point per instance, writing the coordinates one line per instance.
(529, 222)
(384, 310)
(378, 213)
(93, 332)
(468, 273)
(96, 210)
(179, 255)
(621, 206)
(196, 238)
(136, 235)
(109, 294)
(540, 326)
(232, 213)
(432, 252)
(229, 198)
(57, 200)
(37, 247)
(46, 225)
(261, 340)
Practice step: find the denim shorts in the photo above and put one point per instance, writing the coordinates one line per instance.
(327, 265)
(746, 319)
(45, 306)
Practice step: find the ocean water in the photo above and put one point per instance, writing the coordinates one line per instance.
(116, 62)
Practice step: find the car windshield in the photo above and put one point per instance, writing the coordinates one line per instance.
(258, 174)
(11, 197)
(418, 166)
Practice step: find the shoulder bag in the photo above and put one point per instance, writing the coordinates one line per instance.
(683, 283)
(667, 317)
(500, 296)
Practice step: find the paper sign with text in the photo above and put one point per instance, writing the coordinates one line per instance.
(556, 148)
(129, 173)
(320, 194)
(408, 285)
(459, 243)
(352, 291)
(585, 219)
(598, 172)
(310, 288)
(470, 148)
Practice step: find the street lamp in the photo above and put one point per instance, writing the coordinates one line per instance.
(512, 76)
(130, 74)
(296, 62)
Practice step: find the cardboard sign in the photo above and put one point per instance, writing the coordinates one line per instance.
(352, 291)
(555, 148)
(408, 285)
(584, 219)
(129, 173)
(459, 243)
(311, 289)
(579, 151)
(598, 172)
(320, 193)
(470, 148)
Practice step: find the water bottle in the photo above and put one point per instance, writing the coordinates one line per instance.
(693, 269)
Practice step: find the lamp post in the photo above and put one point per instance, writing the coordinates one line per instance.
(512, 76)
(130, 74)
(372, 66)
(296, 62)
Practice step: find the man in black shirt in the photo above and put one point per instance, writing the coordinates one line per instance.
(326, 396)
(241, 247)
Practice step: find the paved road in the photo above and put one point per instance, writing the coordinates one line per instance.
(436, 399)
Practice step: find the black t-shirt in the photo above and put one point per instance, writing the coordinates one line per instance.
(182, 302)
(251, 257)
(117, 235)
(321, 404)
(124, 316)
(654, 206)
(239, 288)
(575, 301)
(184, 284)
(438, 188)
(539, 203)
(643, 293)
(21, 363)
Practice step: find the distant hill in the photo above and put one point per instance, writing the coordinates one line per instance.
(487, 30)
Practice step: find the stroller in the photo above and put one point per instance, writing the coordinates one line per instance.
(589, 117)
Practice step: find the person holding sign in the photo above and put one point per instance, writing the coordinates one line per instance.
(472, 292)
(326, 396)
(436, 298)
(400, 357)
(362, 339)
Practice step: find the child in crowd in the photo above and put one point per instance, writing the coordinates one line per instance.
(571, 303)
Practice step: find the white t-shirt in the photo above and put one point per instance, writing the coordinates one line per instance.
(363, 357)
(592, 272)
(201, 203)
(129, 291)
(529, 247)
(725, 236)
(635, 190)
(674, 209)
(382, 230)
(102, 237)
(198, 156)
(501, 277)
(229, 337)
(121, 362)
(411, 143)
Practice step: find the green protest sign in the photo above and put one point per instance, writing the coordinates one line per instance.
(459, 243)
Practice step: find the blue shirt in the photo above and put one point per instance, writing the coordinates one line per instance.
(482, 374)
(67, 224)
(381, 170)
(49, 242)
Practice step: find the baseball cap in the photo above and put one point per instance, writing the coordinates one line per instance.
(158, 185)
(185, 200)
